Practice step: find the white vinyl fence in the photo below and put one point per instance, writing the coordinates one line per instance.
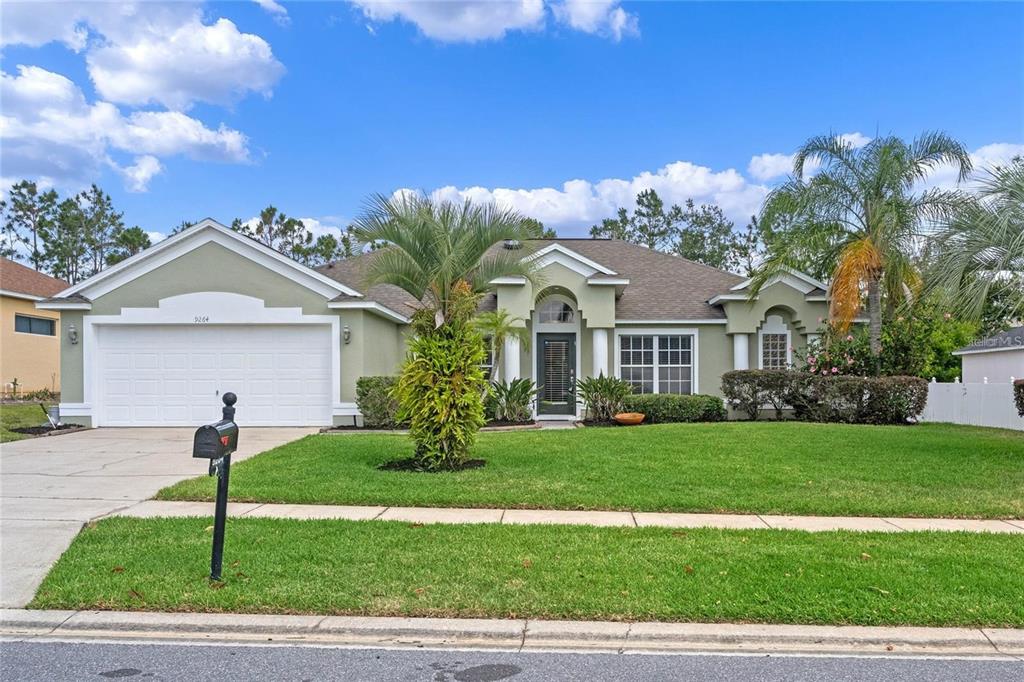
(975, 404)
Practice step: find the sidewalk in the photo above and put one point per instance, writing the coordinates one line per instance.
(515, 635)
(153, 508)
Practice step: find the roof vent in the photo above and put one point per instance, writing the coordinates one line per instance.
(513, 244)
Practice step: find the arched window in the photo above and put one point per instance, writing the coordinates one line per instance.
(555, 311)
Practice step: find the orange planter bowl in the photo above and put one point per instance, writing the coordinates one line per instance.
(629, 418)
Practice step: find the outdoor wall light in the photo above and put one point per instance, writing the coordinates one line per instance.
(346, 333)
(72, 334)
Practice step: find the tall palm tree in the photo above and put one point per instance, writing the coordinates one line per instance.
(496, 326)
(862, 217)
(982, 246)
(432, 246)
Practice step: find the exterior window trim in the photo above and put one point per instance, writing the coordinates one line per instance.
(656, 332)
(51, 320)
(774, 324)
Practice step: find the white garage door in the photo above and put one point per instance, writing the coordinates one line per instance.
(174, 375)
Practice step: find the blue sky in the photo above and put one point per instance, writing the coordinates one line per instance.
(189, 110)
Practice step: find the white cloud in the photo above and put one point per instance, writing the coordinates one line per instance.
(602, 17)
(766, 167)
(983, 158)
(459, 20)
(49, 132)
(195, 62)
(577, 204)
(476, 20)
(276, 10)
(141, 53)
(138, 175)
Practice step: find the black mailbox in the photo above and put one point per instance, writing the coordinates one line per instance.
(213, 441)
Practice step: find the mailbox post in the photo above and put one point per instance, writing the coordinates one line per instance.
(216, 442)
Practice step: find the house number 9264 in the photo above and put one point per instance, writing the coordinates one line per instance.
(201, 319)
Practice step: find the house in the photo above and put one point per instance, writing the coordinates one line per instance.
(162, 334)
(29, 346)
(995, 359)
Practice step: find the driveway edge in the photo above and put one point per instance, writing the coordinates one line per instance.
(519, 634)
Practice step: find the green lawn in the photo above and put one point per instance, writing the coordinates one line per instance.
(772, 468)
(390, 568)
(18, 415)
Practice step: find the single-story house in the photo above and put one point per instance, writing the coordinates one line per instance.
(994, 359)
(29, 346)
(160, 336)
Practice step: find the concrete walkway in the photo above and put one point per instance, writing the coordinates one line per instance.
(50, 486)
(511, 634)
(155, 508)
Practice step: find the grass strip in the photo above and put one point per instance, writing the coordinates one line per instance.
(399, 569)
(767, 468)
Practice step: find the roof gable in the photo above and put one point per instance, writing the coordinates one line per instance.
(558, 253)
(202, 233)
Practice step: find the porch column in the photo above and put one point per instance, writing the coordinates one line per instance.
(510, 355)
(740, 351)
(600, 352)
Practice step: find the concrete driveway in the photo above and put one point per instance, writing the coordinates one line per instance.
(51, 486)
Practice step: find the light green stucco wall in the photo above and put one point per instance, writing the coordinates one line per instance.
(376, 345)
(745, 317)
(596, 303)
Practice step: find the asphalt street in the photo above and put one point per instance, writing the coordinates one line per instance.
(145, 662)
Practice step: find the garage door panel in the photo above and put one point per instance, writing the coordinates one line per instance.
(153, 375)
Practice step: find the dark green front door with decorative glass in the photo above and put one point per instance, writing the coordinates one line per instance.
(556, 372)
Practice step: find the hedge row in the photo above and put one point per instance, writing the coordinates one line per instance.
(849, 399)
(1018, 395)
(669, 407)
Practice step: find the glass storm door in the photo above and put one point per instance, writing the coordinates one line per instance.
(557, 372)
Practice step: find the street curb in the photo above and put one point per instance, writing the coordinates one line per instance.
(519, 634)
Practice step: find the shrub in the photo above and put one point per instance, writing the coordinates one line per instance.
(749, 390)
(1018, 395)
(441, 387)
(813, 397)
(512, 400)
(669, 407)
(602, 396)
(376, 402)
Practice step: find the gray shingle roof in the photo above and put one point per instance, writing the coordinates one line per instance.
(661, 286)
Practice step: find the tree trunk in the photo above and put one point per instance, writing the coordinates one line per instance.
(875, 317)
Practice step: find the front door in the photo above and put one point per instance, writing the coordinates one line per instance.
(556, 369)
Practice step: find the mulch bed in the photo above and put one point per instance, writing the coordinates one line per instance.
(411, 464)
(48, 430)
(496, 424)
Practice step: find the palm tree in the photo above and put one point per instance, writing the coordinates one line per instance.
(444, 255)
(982, 246)
(861, 217)
(429, 247)
(496, 326)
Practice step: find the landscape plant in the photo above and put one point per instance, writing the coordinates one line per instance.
(602, 396)
(663, 408)
(443, 254)
(496, 326)
(861, 214)
(512, 401)
(376, 401)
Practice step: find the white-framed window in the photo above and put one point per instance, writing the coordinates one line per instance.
(774, 344)
(662, 362)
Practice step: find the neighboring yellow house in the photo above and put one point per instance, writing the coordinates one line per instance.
(30, 338)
